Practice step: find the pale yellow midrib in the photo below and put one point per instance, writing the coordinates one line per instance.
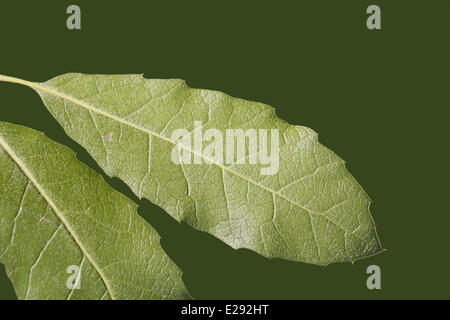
(42, 192)
(40, 87)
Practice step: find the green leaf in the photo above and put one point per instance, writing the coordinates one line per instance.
(57, 216)
(312, 210)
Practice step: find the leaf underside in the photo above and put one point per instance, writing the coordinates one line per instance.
(55, 212)
(311, 211)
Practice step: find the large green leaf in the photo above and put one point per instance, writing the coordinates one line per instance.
(59, 216)
(312, 210)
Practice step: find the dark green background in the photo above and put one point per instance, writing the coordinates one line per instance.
(377, 98)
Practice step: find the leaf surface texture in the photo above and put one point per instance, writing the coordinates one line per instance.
(311, 211)
(55, 212)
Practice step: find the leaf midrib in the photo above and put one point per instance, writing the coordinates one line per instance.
(5, 146)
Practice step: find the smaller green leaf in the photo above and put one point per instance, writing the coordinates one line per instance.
(59, 218)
